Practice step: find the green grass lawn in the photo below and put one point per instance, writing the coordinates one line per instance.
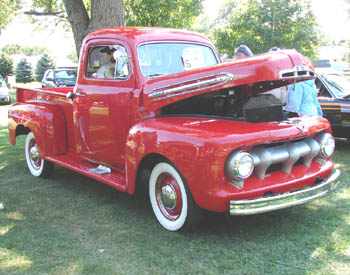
(70, 224)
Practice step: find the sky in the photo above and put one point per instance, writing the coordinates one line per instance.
(332, 17)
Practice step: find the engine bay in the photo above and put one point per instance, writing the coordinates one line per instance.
(236, 104)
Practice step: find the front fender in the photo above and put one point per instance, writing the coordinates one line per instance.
(199, 158)
(199, 147)
(47, 122)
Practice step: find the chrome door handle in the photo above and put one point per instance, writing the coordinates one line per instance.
(79, 94)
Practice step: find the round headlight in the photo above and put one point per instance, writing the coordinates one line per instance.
(327, 144)
(239, 165)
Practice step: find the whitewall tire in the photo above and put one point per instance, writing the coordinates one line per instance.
(171, 199)
(36, 166)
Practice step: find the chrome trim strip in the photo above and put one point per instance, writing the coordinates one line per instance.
(280, 201)
(298, 72)
(220, 79)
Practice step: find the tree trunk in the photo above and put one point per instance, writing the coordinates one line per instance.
(104, 14)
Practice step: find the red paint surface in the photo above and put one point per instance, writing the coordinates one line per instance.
(115, 123)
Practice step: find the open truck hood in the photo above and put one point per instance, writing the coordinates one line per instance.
(258, 74)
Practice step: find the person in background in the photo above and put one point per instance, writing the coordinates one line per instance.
(299, 98)
(302, 99)
(243, 51)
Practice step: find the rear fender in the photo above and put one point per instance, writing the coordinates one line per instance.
(47, 122)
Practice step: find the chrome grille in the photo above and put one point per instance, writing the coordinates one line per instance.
(286, 154)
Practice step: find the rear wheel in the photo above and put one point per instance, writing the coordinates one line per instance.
(171, 199)
(36, 166)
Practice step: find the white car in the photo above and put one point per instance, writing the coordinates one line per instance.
(4, 92)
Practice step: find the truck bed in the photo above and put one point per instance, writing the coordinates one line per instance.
(27, 94)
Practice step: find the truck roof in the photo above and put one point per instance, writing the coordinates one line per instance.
(137, 35)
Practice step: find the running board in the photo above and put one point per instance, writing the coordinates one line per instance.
(114, 178)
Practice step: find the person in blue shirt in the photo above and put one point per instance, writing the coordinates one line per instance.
(243, 51)
(302, 99)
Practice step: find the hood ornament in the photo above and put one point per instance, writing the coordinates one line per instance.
(301, 128)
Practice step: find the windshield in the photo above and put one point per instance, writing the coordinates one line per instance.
(173, 57)
(70, 74)
(339, 84)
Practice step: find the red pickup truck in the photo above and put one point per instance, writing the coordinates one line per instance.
(155, 109)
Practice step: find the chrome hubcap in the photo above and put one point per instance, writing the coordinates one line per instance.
(34, 154)
(168, 196)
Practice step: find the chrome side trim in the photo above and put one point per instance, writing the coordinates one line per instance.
(280, 201)
(168, 91)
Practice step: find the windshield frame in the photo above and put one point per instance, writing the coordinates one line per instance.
(173, 42)
(331, 88)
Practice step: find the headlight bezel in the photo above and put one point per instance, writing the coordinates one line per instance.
(234, 165)
(327, 145)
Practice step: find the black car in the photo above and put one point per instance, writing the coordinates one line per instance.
(334, 98)
(59, 78)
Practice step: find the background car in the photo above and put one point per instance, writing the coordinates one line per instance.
(4, 92)
(334, 97)
(59, 77)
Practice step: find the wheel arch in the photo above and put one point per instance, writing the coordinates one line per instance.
(144, 169)
(21, 130)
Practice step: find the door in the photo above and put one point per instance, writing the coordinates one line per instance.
(101, 103)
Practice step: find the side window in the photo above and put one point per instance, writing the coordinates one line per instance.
(108, 62)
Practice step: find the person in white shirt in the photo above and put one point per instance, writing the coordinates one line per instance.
(107, 70)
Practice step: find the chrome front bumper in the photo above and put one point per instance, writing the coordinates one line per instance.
(279, 201)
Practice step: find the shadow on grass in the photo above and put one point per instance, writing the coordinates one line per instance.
(71, 224)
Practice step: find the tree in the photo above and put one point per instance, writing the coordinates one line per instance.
(83, 16)
(86, 16)
(268, 23)
(72, 56)
(26, 50)
(6, 65)
(348, 1)
(45, 62)
(7, 11)
(176, 13)
(24, 72)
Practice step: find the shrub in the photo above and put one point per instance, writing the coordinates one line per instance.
(24, 72)
(6, 65)
(45, 62)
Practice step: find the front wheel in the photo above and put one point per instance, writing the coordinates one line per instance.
(171, 199)
(36, 166)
